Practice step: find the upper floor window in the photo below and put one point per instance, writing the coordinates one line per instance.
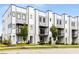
(60, 22)
(73, 23)
(44, 19)
(9, 25)
(13, 26)
(18, 15)
(65, 22)
(30, 16)
(13, 14)
(50, 19)
(57, 21)
(24, 16)
(31, 27)
(40, 18)
(66, 30)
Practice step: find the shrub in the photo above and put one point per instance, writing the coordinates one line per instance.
(28, 42)
(6, 42)
(41, 43)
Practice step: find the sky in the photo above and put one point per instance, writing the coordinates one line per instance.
(70, 9)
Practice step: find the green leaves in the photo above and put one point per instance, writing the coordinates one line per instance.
(24, 31)
(53, 29)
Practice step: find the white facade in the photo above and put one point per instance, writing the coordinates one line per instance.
(39, 24)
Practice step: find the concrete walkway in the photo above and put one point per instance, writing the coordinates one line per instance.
(43, 51)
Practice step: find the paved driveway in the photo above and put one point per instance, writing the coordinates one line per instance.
(43, 51)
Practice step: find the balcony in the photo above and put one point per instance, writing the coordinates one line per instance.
(61, 34)
(21, 21)
(43, 24)
(45, 34)
(74, 35)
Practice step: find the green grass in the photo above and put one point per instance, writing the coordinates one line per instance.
(24, 44)
(67, 46)
(2, 45)
(33, 46)
(46, 45)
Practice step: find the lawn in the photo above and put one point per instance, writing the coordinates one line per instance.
(67, 46)
(47, 45)
(33, 46)
(2, 45)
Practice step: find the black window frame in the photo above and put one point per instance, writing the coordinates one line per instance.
(44, 20)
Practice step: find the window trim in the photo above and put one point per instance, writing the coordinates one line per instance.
(40, 18)
(50, 19)
(13, 14)
(73, 23)
(19, 15)
(44, 20)
(31, 16)
(24, 15)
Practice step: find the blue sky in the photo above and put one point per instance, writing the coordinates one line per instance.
(70, 9)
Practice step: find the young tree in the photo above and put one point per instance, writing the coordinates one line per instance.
(24, 31)
(53, 29)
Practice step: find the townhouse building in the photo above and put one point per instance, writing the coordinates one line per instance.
(39, 24)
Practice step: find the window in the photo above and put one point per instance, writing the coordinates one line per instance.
(65, 22)
(73, 23)
(42, 31)
(66, 30)
(57, 21)
(18, 15)
(50, 19)
(14, 26)
(13, 36)
(44, 19)
(31, 27)
(60, 22)
(13, 14)
(30, 16)
(24, 16)
(66, 40)
(40, 18)
(9, 25)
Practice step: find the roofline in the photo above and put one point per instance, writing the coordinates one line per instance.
(10, 6)
(58, 14)
(72, 16)
(38, 10)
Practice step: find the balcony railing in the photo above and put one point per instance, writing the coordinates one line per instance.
(43, 24)
(74, 35)
(60, 34)
(43, 34)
